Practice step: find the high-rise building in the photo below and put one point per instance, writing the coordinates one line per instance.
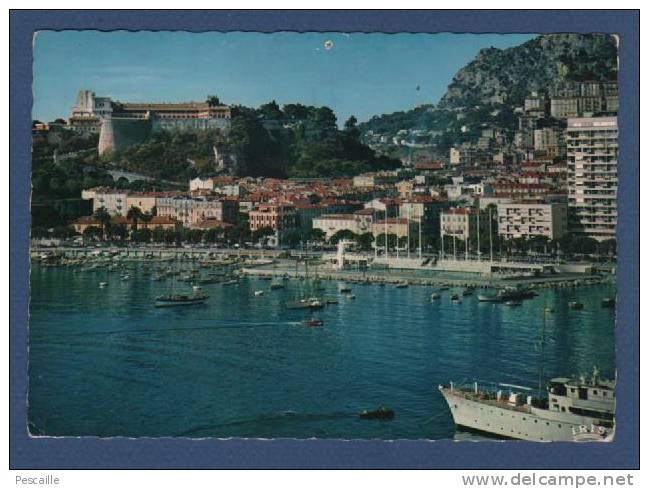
(592, 145)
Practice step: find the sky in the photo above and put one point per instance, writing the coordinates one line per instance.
(360, 74)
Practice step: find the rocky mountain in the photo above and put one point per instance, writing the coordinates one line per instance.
(489, 88)
(508, 75)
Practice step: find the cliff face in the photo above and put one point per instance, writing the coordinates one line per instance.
(498, 76)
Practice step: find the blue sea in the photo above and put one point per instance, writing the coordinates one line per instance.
(104, 362)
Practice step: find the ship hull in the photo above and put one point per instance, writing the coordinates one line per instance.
(520, 424)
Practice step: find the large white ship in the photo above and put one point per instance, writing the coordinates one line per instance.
(575, 409)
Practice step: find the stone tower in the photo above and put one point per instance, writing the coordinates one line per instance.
(106, 136)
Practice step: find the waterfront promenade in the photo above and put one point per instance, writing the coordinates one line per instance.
(293, 264)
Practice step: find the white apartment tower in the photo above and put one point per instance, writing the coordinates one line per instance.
(592, 145)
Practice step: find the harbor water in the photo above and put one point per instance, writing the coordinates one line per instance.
(105, 362)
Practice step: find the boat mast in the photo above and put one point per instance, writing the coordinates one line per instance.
(491, 244)
(541, 350)
(386, 232)
(408, 229)
(421, 212)
(442, 257)
(478, 225)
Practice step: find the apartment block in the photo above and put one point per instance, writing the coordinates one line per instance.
(592, 145)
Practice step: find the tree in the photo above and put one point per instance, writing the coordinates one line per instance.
(365, 241)
(259, 234)
(343, 234)
(213, 101)
(103, 217)
(608, 247)
(134, 214)
(317, 235)
(584, 245)
(292, 238)
(141, 235)
(63, 232)
(380, 240)
(539, 243)
(92, 233)
(171, 236)
(271, 110)
(351, 123)
(118, 231)
(158, 234)
(212, 235)
(193, 235)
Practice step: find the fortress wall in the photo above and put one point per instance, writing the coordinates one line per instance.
(117, 134)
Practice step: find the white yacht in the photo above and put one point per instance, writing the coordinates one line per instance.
(575, 409)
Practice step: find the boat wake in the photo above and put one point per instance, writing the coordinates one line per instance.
(144, 331)
(289, 416)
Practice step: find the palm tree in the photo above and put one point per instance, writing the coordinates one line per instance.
(134, 214)
(103, 217)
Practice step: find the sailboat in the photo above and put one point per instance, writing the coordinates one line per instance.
(174, 299)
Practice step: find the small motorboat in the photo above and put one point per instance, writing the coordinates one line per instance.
(549, 310)
(103, 285)
(455, 298)
(196, 288)
(259, 292)
(345, 289)
(402, 285)
(331, 300)
(180, 300)
(315, 303)
(467, 291)
(352, 297)
(608, 302)
(575, 305)
(380, 413)
(513, 303)
(313, 322)
(276, 286)
(434, 296)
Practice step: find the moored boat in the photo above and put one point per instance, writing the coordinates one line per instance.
(313, 322)
(172, 300)
(608, 302)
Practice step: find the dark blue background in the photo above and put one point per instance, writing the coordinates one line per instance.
(51, 453)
